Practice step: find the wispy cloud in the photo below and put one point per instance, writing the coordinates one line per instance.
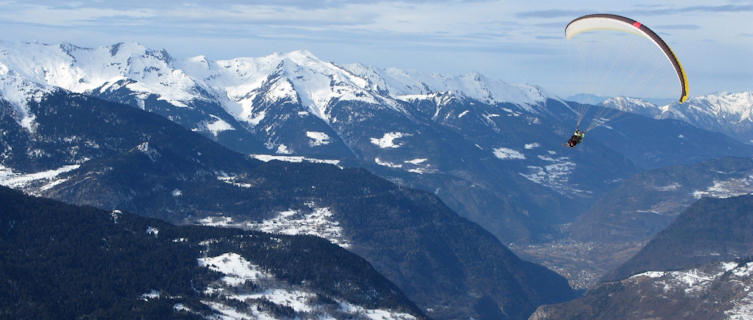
(734, 8)
(642, 11)
(552, 13)
(678, 27)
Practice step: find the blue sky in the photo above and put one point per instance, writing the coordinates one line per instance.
(516, 41)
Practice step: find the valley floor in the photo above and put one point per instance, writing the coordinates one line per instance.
(581, 263)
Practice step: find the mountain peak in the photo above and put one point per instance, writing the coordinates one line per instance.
(301, 55)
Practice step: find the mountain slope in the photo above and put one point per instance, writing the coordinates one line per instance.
(647, 202)
(660, 143)
(64, 261)
(449, 266)
(697, 268)
(711, 230)
(621, 222)
(711, 291)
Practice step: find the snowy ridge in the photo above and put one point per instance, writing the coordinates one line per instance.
(732, 107)
(41, 181)
(241, 86)
(633, 105)
(238, 272)
(296, 76)
(407, 85)
(296, 159)
(85, 69)
(697, 282)
(730, 113)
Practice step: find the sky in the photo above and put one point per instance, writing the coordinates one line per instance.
(515, 41)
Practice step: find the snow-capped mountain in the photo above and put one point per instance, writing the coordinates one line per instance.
(299, 105)
(298, 76)
(633, 105)
(730, 113)
(490, 150)
(411, 85)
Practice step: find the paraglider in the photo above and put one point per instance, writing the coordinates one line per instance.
(600, 22)
(576, 138)
(614, 22)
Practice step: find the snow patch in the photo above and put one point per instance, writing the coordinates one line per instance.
(179, 307)
(152, 231)
(319, 222)
(298, 300)
(387, 164)
(150, 152)
(154, 294)
(296, 159)
(218, 125)
(232, 181)
(529, 146)
(508, 154)
(115, 214)
(671, 187)
(388, 140)
(317, 138)
(282, 149)
(237, 270)
(727, 188)
(374, 314)
(254, 119)
(416, 161)
(48, 178)
(555, 175)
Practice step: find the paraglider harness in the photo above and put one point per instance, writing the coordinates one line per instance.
(576, 138)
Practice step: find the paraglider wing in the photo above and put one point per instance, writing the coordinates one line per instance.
(619, 23)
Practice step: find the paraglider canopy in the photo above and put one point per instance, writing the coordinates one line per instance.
(619, 23)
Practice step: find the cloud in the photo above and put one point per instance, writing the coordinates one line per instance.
(551, 13)
(678, 27)
(557, 25)
(733, 8)
(643, 11)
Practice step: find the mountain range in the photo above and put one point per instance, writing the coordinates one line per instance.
(490, 150)
(726, 112)
(74, 128)
(120, 158)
